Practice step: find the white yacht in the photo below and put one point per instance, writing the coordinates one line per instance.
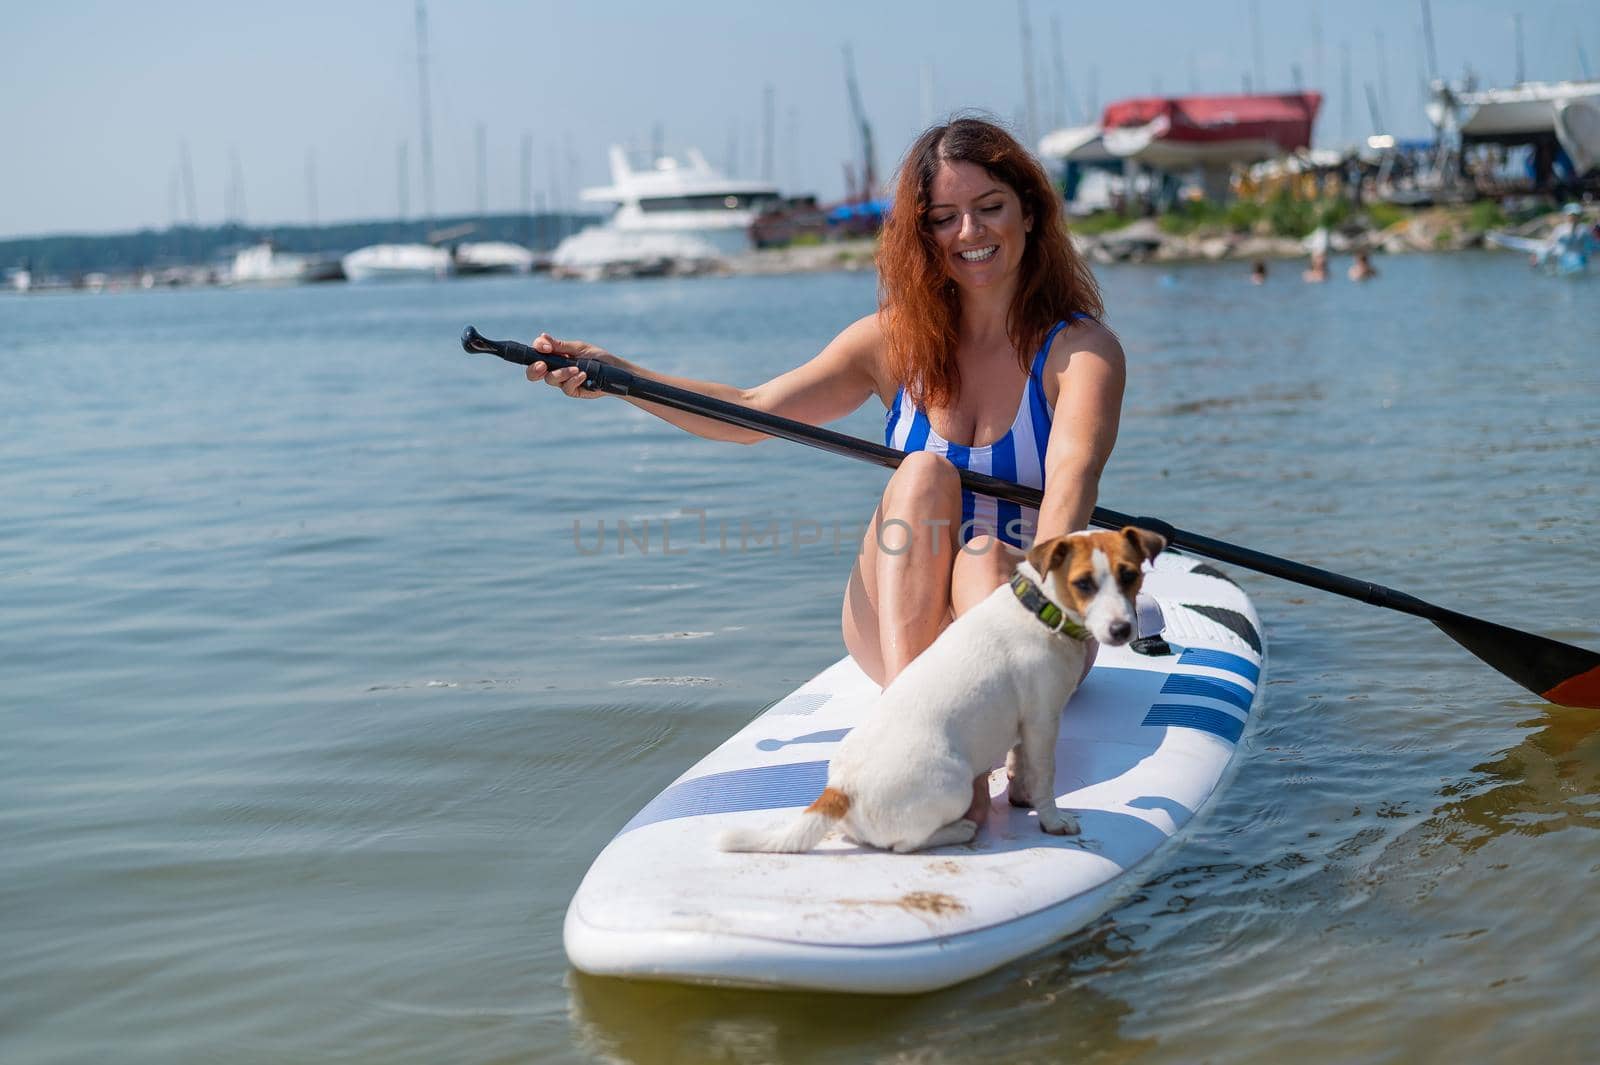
(395, 262)
(263, 264)
(492, 257)
(677, 216)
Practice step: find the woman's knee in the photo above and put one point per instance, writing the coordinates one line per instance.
(924, 482)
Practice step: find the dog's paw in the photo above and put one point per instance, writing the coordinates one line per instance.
(1062, 824)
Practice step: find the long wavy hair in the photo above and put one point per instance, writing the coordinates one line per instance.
(919, 305)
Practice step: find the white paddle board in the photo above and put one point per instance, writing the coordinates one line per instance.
(1145, 742)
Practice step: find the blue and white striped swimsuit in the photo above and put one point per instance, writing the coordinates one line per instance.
(1016, 456)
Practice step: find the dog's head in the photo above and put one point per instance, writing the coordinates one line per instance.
(1096, 574)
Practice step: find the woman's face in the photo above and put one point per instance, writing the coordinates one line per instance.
(978, 225)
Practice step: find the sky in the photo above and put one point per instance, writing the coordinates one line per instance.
(299, 111)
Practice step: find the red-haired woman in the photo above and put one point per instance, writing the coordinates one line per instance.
(987, 352)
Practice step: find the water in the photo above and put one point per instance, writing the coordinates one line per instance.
(315, 715)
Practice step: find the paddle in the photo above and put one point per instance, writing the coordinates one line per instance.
(1558, 672)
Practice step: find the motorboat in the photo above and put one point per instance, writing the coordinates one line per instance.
(602, 252)
(396, 262)
(681, 212)
(264, 264)
(492, 257)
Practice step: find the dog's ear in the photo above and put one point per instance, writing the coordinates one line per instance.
(1047, 555)
(1147, 543)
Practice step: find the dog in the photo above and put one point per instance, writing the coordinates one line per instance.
(994, 682)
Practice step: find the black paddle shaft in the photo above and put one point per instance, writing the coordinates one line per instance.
(1538, 663)
(619, 382)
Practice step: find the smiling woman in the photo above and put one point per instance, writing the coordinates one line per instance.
(949, 172)
(988, 355)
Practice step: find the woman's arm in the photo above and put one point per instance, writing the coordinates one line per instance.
(829, 386)
(1083, 427)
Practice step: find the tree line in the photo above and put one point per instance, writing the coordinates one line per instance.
(70, 255)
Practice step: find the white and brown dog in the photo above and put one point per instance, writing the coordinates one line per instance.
(994, 681)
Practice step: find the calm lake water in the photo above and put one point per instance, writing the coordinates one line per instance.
(314, 714)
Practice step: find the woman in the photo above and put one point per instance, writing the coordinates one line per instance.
(987, 352)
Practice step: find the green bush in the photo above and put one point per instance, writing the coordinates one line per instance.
(1099, 222)
(1383, 215)
(1242, 215)
(1334, 212)
(1486, 214)
(1290, 217)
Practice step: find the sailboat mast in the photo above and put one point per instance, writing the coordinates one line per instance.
(1427, 35)
(1030, 96)
(1516, 27)
(427, 121)
(1070, 109)
(483, 170)
(1260, 66)
(311, 185)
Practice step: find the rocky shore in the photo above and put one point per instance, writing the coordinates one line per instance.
(1433, 229)
(807, 258)
(1430, 230)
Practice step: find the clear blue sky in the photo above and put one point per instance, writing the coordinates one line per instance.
(99, 96)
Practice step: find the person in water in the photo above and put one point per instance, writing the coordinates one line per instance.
(1318, 271)
(1258, 272)
(987, 352)
(1362, 269)
(1571, 244)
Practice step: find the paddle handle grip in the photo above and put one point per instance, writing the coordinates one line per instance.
(598, 376)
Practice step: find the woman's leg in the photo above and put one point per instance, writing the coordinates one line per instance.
(983, 565)
(898, 598)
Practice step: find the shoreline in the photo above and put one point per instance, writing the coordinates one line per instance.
(1148, 240)
(1164, 239)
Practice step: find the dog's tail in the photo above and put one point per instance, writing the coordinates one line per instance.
(799, 835)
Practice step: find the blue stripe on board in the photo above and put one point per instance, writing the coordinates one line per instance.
(1205, 718)
(1004, 458)
(833, 735)
(767, 787)
(1205, 656)
(1210, 688)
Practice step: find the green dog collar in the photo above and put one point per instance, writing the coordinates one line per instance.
(1055, 619)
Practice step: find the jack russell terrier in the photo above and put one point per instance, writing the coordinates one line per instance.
(994, 682)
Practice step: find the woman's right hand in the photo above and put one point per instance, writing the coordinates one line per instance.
(569, 379)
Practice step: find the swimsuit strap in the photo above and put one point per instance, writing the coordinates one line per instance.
(1037, 371)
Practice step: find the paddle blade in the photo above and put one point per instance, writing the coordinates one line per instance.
(1556, 671)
